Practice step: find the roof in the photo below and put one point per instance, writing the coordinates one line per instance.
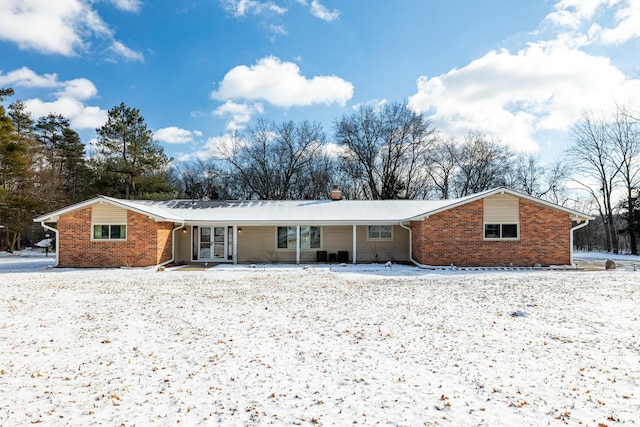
(310, 212)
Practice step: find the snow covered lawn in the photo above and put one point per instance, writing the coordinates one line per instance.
(294, 346)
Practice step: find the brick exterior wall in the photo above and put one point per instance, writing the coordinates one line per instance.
(456, 237)
(148, 242)
(164, 241)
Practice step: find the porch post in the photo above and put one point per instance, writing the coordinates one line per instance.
(354, 244)
(235, 244)
(298, 244)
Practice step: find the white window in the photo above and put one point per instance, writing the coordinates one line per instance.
(109, 232)
(501, 231)
(309, 237)
(380, 232)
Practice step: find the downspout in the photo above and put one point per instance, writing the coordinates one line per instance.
(46, 227)
(411, 248)
(577, 227)
(173, 245)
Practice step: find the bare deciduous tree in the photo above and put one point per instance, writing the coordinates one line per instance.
(202, 180)
(596, 168)
(482, 163)
(274, 160)
(386, 149)
(529, 175)
(441, 167)
(625, 136)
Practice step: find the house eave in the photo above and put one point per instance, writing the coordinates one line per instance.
(54, 216)
(575, 215)
(157, 213)
(326, 223)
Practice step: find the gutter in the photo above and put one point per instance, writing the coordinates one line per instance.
(173, 246)
(46, 227)
(577, 227)
(411, 249)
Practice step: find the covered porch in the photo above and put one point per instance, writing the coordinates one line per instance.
(291, 244)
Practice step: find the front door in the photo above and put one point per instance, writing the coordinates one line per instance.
(212, 243)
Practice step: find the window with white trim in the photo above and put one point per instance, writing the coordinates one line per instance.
(380, 232)
(109, 232)
(310, 237)
(501, 231)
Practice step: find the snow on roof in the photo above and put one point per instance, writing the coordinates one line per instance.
(292, 211)
(310, 212)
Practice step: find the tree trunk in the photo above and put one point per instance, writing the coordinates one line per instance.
(607, 234)
(631, 224)
(612, 235)
(12, 237)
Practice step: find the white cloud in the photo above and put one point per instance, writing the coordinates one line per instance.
(628, 25)
(335, 151)
(514, 96)
(80, 89)
(80, 115)
(221, 146)
(175, 135)
(215, 147)
(572, 13)
(588, 22)
(128, 54)
(26, 77)
(240, 114)
(69, 97)
(281, 84)
(61, 27)
(376, 104)
(319, 11)
(278, 30)
(239, 8)
(128, 5)
(50, 27)
(543, 88)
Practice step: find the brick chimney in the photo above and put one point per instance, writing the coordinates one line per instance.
(336, 194)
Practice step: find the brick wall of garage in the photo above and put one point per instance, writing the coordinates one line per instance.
(456, 237)
(148, 242)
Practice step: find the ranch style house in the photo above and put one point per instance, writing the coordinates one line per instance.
(498, 227)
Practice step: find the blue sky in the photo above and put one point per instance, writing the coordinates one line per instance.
(522, 71)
